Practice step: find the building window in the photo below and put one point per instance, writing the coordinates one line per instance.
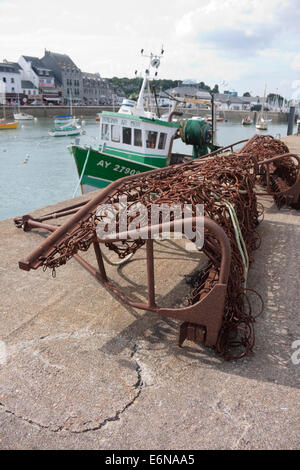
(115, 133)
(151, 139)
(138, 137)
(127, 135)
(4, 79)
(24, 92)
(162, 141)
(12, 80)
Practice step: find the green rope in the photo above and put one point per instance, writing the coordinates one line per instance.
(239, 237)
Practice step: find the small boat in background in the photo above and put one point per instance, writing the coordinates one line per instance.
(4, 124)
(262, 122)
(209, 119)
(8, 125)
(247, 121)
(63, 119)
(20, 116)
(70, 128)
(23, 117)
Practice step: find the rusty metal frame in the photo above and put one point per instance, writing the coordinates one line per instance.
(202, 319)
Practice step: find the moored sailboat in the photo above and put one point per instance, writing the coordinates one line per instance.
(20, 116)
(262, 122)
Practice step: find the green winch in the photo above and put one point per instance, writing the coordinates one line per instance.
(197, 133)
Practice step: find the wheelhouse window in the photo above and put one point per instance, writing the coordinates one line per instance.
(138, 137)
(151, 138)
(115, 133)
(162, 140)
(127, 135)
(105, 132)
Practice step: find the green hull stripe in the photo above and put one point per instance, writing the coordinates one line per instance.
(151, 162)
(126, 152)
(98, 183)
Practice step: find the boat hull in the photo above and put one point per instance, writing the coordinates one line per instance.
(63, 133)
(23, 117)
(8, 125)
(102, 169)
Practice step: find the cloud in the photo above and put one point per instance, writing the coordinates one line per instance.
(244, 42)
(295, 63)
(240, 40)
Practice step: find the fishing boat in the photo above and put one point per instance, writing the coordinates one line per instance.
(69, 128)
(20, 116)
(134, 140)
(247, 121)
(66, 125)
(67, 118)
(262, 122)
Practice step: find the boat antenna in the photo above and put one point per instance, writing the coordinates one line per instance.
(154, 62)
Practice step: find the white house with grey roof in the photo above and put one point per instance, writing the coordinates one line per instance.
(10, 80)
(228, 102)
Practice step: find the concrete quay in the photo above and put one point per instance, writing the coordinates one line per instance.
(79, 370)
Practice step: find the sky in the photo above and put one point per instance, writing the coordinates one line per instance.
(239, 44)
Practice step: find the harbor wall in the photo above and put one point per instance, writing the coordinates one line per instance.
(91, 111)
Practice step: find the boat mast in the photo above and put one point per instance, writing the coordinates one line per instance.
(4, 102)
(154, 61)
(262, 109)
(71, 99)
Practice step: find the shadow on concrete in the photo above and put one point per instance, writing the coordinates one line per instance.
(273, 274)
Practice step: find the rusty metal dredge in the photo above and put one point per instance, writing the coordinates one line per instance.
(219, 310)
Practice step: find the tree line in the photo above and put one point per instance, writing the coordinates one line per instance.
(130, 87)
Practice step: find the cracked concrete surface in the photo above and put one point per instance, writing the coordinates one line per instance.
(83, 371)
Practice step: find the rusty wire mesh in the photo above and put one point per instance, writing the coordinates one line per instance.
(225, 184)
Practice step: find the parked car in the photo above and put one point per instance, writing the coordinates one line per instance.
(257, 107)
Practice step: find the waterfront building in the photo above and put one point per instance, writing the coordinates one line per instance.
(35, 71)
(10, 80)
(95, 89)
(187, 91)
(29, 92)
(66, 74)
(228, 102)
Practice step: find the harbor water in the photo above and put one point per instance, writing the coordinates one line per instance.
(38, 170)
